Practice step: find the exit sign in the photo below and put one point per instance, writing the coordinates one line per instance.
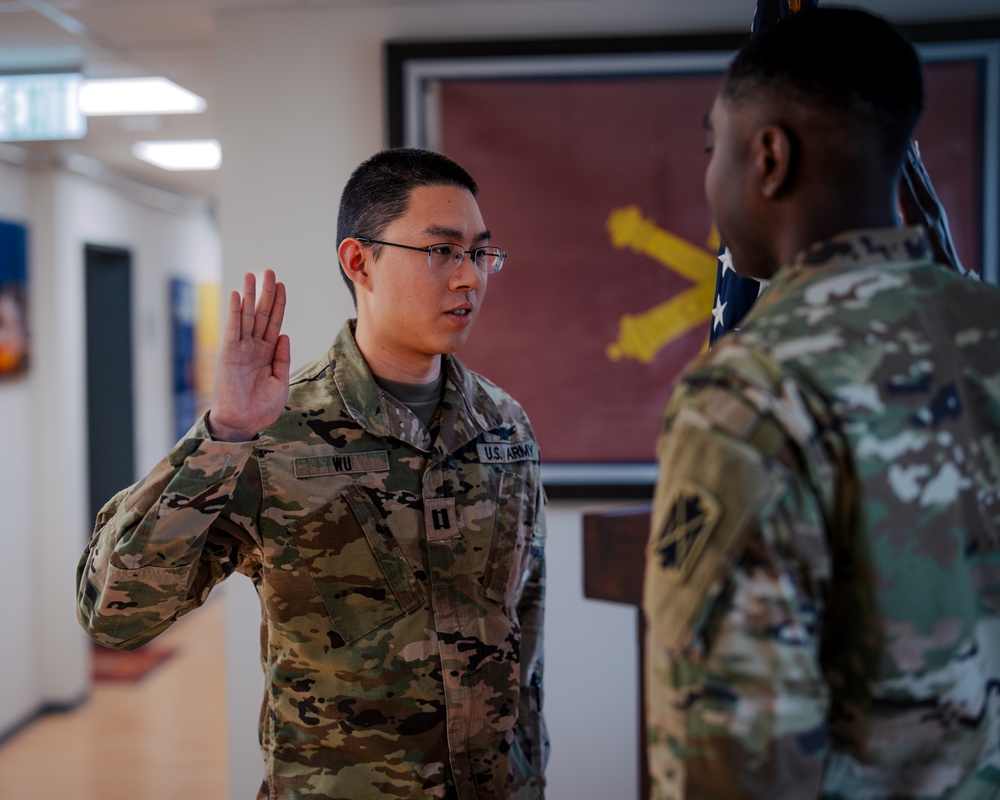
(41, 107)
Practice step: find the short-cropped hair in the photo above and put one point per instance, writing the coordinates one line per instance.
(378, 191)
(843, 61)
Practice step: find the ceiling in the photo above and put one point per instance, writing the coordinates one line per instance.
(116, 39)
(176, 39)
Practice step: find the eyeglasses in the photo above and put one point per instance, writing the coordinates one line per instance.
(443, 256)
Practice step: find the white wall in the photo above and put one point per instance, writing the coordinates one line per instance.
(43, 459)
(301, 103)
(16, 529)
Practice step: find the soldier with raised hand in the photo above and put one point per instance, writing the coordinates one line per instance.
(823, 574)
(385, 501)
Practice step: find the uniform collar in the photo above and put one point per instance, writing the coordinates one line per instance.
(466, 409)
(866, 247)
(871, 247)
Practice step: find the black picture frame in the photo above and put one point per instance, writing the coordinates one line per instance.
(416, 69)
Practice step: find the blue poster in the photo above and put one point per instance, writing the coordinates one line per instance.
(182, 317)
(13, 299)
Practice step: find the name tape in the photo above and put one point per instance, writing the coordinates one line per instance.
(317, 466)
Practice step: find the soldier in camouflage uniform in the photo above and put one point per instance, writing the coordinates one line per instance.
(387, 507)
(823, 573)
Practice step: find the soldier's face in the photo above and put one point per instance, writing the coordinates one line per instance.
(731, 188)
(417, 311)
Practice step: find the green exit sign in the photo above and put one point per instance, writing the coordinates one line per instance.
(41, 107)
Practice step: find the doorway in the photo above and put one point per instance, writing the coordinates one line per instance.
(110, 413)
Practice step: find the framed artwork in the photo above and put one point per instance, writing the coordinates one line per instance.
(589, 157)
(14, 342)
(195, 327)
(182, 338)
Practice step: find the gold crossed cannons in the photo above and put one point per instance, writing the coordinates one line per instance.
(641, 336)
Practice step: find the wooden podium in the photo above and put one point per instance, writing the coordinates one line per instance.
(614, 560)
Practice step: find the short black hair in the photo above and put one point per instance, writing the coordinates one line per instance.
(378, 191)
(843, 61)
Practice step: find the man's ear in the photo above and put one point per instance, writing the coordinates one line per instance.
(775, 154)
(355, 261)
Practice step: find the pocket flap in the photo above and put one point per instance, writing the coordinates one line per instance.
(361, 573)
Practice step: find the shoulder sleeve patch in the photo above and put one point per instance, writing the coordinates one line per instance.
(692, 514)
(711, 492)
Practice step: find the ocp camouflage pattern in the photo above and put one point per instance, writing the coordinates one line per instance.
(400, 573)
(823, 574)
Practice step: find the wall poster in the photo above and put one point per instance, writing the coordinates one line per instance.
(589, 156)
(14, 330)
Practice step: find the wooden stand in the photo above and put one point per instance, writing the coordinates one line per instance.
(614, 560)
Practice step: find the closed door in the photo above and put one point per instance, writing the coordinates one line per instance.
(110, 429)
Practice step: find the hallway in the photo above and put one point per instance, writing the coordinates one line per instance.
(160, 737)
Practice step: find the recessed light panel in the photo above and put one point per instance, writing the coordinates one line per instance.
(119, 96)
(180, 155)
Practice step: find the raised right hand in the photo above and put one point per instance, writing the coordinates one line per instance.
(251, 382)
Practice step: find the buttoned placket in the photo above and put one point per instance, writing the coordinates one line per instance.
(444, 539)
(444, 535)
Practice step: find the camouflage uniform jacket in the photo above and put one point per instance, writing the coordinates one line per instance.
(400, 573)
(823, 574)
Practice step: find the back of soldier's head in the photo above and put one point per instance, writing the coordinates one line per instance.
(845, 63)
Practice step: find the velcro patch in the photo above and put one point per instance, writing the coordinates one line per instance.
(317, 466)
(507, 452)
(440, 519)
(692, 515)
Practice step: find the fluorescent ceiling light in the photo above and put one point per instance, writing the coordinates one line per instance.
(180, 155)
(137, 96)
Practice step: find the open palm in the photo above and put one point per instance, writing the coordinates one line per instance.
(251, 383)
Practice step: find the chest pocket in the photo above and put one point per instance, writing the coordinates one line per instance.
(509, 551)
(361, 573)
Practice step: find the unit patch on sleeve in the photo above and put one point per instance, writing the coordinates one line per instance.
(692, 514)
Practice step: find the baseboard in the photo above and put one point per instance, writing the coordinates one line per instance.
(43, 710)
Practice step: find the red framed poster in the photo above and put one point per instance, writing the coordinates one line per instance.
(589, 157)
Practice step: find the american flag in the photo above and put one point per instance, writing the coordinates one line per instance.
(735, 295)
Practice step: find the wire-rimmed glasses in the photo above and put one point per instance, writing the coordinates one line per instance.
(448, 256)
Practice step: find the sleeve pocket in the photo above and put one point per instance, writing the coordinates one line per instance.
(511, 539)
(362, 575)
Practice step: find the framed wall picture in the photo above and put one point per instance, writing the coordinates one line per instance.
(182, 338)
(589, 156)
(14, 340)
